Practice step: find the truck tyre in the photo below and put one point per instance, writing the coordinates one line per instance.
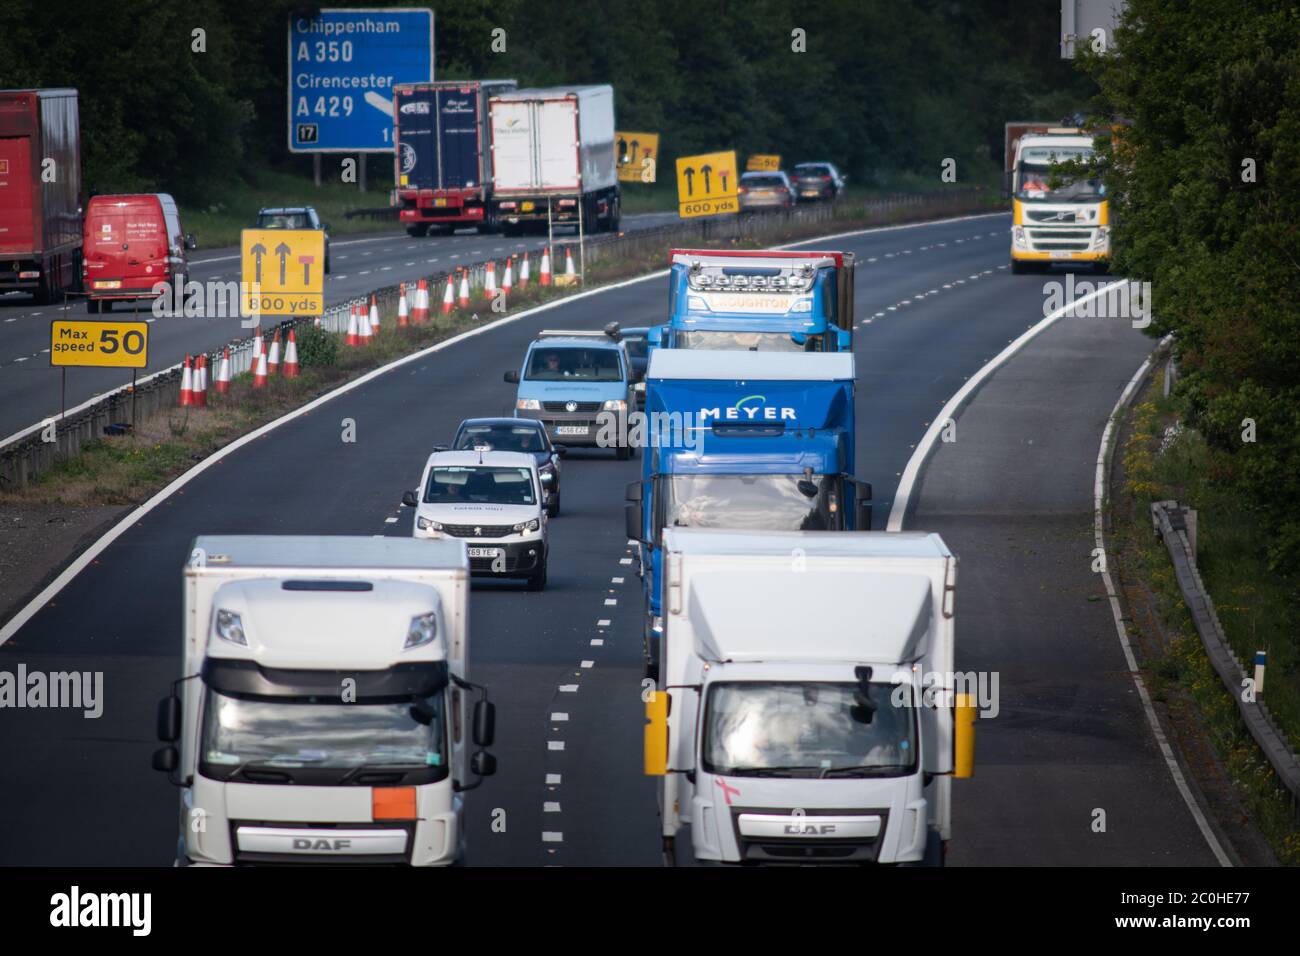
(490, 223)
(1023, 268)
(615, 214)
(1101, 267)
(650, 651)
(934, 849)
(418, 230)
(537, 580)
(554, 510)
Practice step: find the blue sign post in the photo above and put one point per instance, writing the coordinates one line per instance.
(342, 68)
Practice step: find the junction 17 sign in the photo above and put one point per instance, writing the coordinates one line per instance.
(343, 65)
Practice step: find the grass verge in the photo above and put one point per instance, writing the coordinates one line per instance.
(1161, 459)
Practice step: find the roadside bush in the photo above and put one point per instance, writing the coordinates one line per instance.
(318, 348)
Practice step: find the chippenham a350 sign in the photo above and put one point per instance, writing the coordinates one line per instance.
(89, 343)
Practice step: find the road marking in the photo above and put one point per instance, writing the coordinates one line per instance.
(588, 664)
(551, 806)
(603, 622)
(390, 521)
(597, 642)
(552, 779)
(609, 602)
(1099, 538)
(559, 716)
(552, 836)
(568, 688)
(22, 359)
(624, 560)
(555, 745)
(611, 580)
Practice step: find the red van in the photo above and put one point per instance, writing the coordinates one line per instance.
(130, 243)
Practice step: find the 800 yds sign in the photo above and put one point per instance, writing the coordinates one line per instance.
(89, 343)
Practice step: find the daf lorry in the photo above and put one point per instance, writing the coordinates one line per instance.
(440, 137)
(553, 158)
(1057, 217)
(40, 193)
(323, 711)
(753, 440)
(807, 710)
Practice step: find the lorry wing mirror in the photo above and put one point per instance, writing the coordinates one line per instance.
(656, 734)
(512, 378)
(635, 522)
(561, 450)
(963, 737)
(485, 723)
(634, 492)
(807, 488)
(169, 719)
(612, 330)
(483, 764)
(409, 500)
(166, 760)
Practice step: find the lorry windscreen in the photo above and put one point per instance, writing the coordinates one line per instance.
(805, 729)
(757, 502)
(746, 341)
(479, 484)
(573, 364)
(1039, 182)
(285, 735)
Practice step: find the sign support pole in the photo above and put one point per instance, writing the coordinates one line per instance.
(63, 394)
(582, 248)
(315, 167)
(133, 399)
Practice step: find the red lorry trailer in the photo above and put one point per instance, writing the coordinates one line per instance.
(40, 193)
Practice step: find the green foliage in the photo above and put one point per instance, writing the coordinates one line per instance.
(1207, 86)
(317, 348)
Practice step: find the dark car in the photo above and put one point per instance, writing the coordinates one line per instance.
(295, 217)
(814, 181)
(516, 434)
(766, 191)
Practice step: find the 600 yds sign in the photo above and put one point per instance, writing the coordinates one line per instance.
(89, 343)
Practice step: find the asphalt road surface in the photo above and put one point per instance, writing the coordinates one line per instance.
(934, 303)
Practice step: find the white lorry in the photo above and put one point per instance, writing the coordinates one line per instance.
(805, 711)
(322, 712)
(553, 158)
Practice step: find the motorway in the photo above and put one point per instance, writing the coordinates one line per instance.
(1012, 495)
(29, 388)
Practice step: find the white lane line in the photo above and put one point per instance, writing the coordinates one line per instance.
(364, 272)
(873, 259)
(555, 745)
(22, 359)
(588, 664)
(15, 319)
(74, 568)
(603, 622)
(611, 580)
(1099, 538)
(568, 688)
(385, 268)
(551, 806)
(609, 602)
(558, 716)
(434, 259)
(597, 642)
(552, 836)
(390, 521)
(408, 263)
(624, 560)
(552, 779)
(949, 410)
(333, 244)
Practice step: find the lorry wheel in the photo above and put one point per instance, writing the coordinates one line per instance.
(1101, 268)
(537, 581)
(418, 230)
(934, 849)
(615, 215)
(490, 223)
(554, 510)
(1023, 268)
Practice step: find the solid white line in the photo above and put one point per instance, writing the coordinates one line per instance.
(1099, 538)
(949, 410)
(14, 624)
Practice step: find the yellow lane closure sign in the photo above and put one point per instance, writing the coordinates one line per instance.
(283, 271)
(707, 184)
(638, 155)
(90, 343)
(762, 164)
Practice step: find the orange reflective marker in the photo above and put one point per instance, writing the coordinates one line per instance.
(392, 803)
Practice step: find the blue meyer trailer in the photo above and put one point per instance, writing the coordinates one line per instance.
(738, 439)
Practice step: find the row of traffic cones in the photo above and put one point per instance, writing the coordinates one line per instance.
(265, 364)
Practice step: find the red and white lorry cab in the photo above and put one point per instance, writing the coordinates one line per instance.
(129, 244)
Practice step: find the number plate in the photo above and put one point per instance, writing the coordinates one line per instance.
(570, 429)
(527, 207)
(440, 202)
(484, 552)
(113, 284)
(1056, 254)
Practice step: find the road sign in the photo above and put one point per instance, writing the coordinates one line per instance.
(762, 163)
(342, 68)
(706, 184)
(89, 343)
(283, 271)
(638, 156)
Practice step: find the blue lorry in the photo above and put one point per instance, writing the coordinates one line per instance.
(739, 439)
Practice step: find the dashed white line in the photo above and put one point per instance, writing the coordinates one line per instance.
(624, 560)
(559, 715)
(555, 745)
(552, 836)
(588, 664)
(390, 521)
(609, 602)
(552, 779)
(615, 580)
(568, 688)
(597, 642)
(551, 806)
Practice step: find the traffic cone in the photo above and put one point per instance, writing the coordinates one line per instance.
(462, 297)
(523, 272)
(222, 383)
(568, 262)
(317, 322)
(448, 296)
(187, 383)
(200, 395)
(364, 329)
(546, 266)
(490, 282)
(259, 372)
(508, 282)
(374, 317)
(258, 345)
(273, 360)
(352, 328)
(291, 357)
(421, 311)
(403, 316)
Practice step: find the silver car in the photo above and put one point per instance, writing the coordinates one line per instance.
(766, 191)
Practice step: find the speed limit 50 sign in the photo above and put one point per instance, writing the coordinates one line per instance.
(95, 344)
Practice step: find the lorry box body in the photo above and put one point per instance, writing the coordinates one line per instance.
(1055, 217)
(766, 299)
(731, 439)
(768, 760)
(305, 659)
(554, 149)
(440, 136)
(131, 243)
(40, 192)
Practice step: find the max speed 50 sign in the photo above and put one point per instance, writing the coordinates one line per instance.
(81, 343)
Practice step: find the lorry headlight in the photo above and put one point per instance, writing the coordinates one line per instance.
(525, 526)
(230, 628)
(1101, 238)
(616, 405)
(427, 524)
(528, 404)
(1018, 236)
(423, 629)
